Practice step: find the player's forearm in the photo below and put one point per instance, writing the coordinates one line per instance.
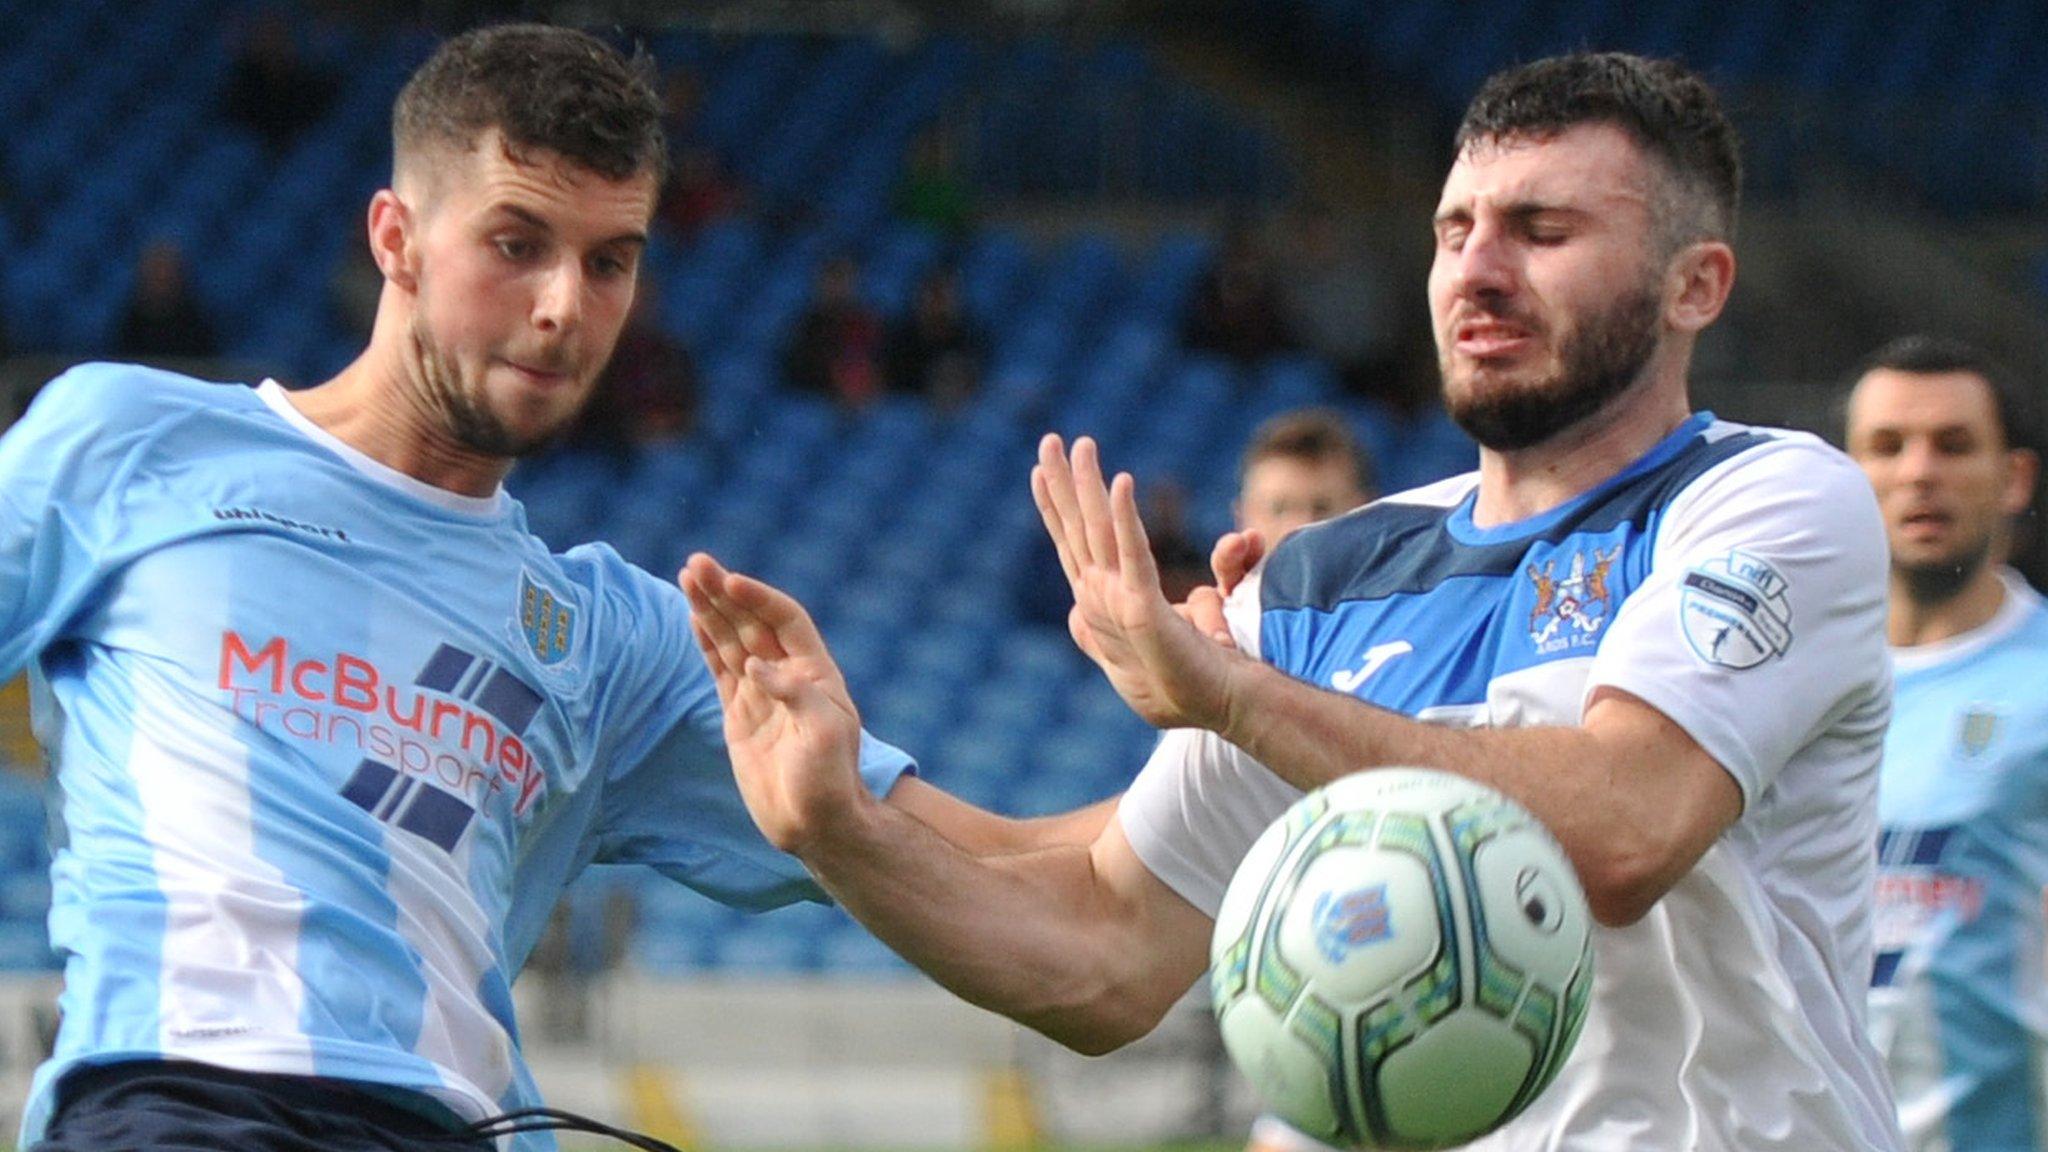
(979, 832)
(1629, 838)
(1028, 936)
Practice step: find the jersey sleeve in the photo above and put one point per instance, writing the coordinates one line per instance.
(61, 478)
(1762, 618)
(670, 800)
(1194, 810)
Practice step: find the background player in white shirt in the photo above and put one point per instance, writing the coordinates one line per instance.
(1959, 1003)
(1661, 632)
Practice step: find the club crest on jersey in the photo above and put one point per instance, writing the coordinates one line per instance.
(1734, 611)
(546, 621)
(1571, 609)
(1977, 730)
(1347, 921)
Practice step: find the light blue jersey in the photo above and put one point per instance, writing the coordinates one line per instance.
(329, 741)
(1959, 1003)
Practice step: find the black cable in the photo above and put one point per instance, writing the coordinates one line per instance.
(545, 1120)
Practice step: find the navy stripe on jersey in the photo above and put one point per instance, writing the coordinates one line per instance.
(1414, 609)
(414, 805)
(1885, 968)
(1390, 549)
(489, 686)
(435, 816)
(444, 669)
(1905, 847)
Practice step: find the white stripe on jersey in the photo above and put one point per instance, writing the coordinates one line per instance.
(231, 922)
(456, 1032)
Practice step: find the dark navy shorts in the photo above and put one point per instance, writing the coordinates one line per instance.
(167, 1106)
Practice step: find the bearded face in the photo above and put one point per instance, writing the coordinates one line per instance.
(1547, 290)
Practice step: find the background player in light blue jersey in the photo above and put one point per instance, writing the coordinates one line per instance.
(331, 730)
(1662, 632)
(1959, 1003)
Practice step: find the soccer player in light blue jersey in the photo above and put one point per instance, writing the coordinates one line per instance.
(1959, 1003)
(1660, 631)
(330, 728)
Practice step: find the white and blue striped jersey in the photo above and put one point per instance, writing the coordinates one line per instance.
(1733, 578)
(1959, 1003)
(328, 741)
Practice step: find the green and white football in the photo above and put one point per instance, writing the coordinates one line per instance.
(1402, 961)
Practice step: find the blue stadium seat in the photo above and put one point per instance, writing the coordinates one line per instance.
(911, 713)
(665, 953)
(773, 943)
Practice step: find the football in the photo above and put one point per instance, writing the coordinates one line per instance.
(1402, 960)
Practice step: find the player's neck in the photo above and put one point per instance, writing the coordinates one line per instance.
(369, 407)
(1530, 481)
(1915, 621)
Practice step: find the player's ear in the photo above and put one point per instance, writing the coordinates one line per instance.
(1700, 277)
(392, 242)
(2023, 466)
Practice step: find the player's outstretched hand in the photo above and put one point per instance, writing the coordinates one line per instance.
(1159, 662)
(790, 726)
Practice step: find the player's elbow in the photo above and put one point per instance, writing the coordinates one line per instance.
(1619, 907)
(1624, 883)
(1098, 1017)
(1101, 1037)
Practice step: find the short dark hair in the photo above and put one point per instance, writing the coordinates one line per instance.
(1921, 354)
(1311, 435)
(544, 88)
(1666, 108)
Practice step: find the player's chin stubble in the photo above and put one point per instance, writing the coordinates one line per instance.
(1932, 582)
(1599, 361)
(468, 421)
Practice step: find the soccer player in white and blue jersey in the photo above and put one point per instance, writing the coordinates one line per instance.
(1662, 632)
(1959, 1003)
(330, 729)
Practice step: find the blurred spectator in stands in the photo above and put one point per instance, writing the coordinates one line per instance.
(699, 191)
(682, 106)
(1183, 565)
(273, 89)
(164, 317)
(932, 192)
(1339, 306)
(648, 393)
(936, 350)
(836, 349)
(1238, 310)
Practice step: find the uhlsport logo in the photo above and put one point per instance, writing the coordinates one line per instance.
(1734, 611)
(1570, 609)
(1347, 921)
(545, 620)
